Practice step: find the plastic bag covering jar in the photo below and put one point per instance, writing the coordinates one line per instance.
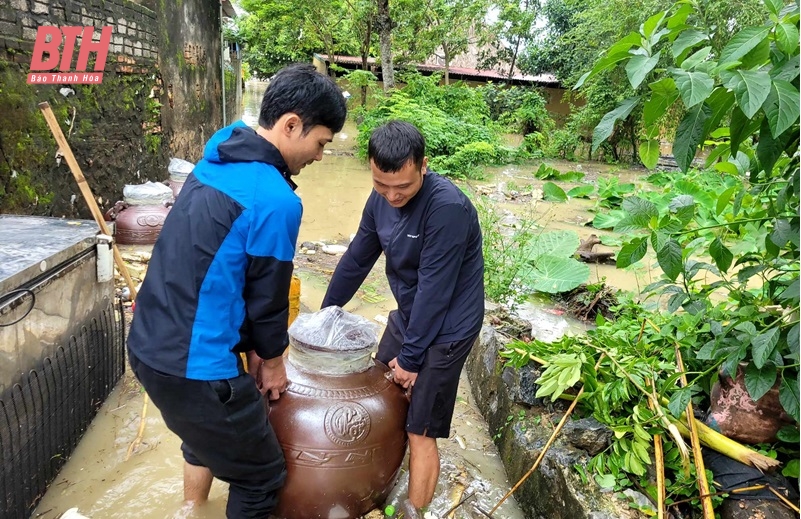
(139, 218)
(178, 169)
(340, 422)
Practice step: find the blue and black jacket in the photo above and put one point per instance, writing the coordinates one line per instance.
(218, 281)
(434, 265)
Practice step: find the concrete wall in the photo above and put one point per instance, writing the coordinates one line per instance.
(189, 62)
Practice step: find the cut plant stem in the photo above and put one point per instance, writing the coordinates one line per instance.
(700, 470)
(659, 456)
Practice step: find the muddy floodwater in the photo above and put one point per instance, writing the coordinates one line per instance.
(104, 482)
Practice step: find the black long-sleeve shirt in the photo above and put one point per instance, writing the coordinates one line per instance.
(434, 265)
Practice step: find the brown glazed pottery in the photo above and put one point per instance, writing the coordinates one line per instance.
(137, 224)
(736, 415)
(343, 434)
(175, 186)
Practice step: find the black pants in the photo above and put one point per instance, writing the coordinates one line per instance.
(223, 425)
(434, 395)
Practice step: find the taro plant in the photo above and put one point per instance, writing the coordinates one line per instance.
(732, 260)
(520, 260)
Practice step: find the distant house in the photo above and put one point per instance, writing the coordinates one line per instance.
(548, 84)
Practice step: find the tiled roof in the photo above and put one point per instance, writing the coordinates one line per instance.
(542, 79)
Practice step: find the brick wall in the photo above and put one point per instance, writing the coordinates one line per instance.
(134, 35)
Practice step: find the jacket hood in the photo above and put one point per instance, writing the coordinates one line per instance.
(240, 143)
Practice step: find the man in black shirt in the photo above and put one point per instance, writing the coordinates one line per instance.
(429, 232)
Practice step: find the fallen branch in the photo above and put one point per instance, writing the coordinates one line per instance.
(547, 446)
(707, 436)
(587, 255)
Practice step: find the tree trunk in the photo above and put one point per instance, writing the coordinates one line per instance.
(514, 59)
(447, 65)
(384, 23)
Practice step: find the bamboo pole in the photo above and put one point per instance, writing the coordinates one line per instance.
(86, 191)
(659, 456)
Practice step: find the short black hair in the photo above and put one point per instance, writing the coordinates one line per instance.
(300, 89)
(394, 143)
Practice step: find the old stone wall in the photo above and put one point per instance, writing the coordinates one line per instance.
(113, 128)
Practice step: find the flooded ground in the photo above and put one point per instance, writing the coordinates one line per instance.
(102, 482)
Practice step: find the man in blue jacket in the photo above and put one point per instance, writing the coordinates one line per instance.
(428, 230)
(218, 284)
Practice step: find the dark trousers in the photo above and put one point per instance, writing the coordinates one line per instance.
(224, 426)
(434, 395)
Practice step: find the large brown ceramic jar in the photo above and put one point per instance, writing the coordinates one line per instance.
(341, 426)
(137, 224)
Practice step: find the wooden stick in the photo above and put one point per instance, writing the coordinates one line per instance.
(784, 499)
(85, 190)
(700, 470)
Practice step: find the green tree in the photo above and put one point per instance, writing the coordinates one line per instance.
(439, 26)
(510, 33)
(740, 95)
(276, 33)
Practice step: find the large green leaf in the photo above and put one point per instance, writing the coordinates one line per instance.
(694, 87)
(758, 381)
(581, 192)
(649, 153)
(787, 38)
(607, 124)
(640, 66)
(651, 24)
(664, 94)
(782, 107)
(552, 274)
(683, 207)
(723, 200)
(616, 53)
(789, 397)
(787, 70)
(553, 193)
(742, 43)
(607, 220)
(721, 255)
(774, 6)
(762, 346)
(696, 58)
(639, 207)
(561, 244)
(687, 39)
(669, 258)
(741, 128)
(720, 101)
(769, 149)
(758, 56)
(632, 252)
(689, 135)
(751, 88)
